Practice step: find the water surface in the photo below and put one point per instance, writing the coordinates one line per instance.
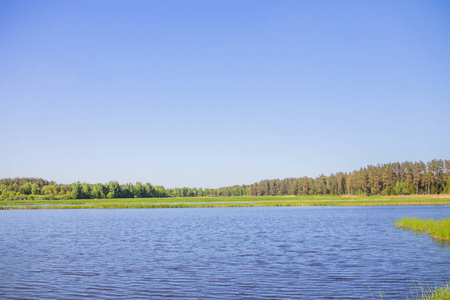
(222, 253)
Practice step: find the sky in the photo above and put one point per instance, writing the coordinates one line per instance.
(213, 93)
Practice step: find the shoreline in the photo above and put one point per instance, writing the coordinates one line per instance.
(244, 201)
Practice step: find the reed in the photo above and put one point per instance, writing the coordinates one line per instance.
(425, 293)
(437, 229)
(438, 293)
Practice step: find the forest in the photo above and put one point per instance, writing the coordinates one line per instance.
(397, 178)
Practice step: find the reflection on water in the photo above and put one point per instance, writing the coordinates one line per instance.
(421, 234)
(257, 252)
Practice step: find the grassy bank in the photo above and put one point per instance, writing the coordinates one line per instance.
(226, 202)
(437, 229)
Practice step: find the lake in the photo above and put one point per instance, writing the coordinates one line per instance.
(221, 253)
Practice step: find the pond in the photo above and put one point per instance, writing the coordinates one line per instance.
(222, 253)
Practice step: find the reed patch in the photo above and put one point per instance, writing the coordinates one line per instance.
(437, 229)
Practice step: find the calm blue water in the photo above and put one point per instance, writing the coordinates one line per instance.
(222, 253)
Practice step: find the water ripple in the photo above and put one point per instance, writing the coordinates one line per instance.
(221, 253)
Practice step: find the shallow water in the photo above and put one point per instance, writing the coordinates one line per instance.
(222, 253)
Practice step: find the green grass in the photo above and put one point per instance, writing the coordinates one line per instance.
(425, 293)
(437, 229)
(244, 201)
(438, 293)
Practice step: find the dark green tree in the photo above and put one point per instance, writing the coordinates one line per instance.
(114, 189)
(77, 191)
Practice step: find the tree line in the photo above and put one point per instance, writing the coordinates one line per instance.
(37, 188)
(387, 179)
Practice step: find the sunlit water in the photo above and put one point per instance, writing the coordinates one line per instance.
(222, 253)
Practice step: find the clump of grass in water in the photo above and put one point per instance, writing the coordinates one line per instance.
(437, 229)
(438, 293)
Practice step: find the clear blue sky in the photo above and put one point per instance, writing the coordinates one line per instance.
(216, 93)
